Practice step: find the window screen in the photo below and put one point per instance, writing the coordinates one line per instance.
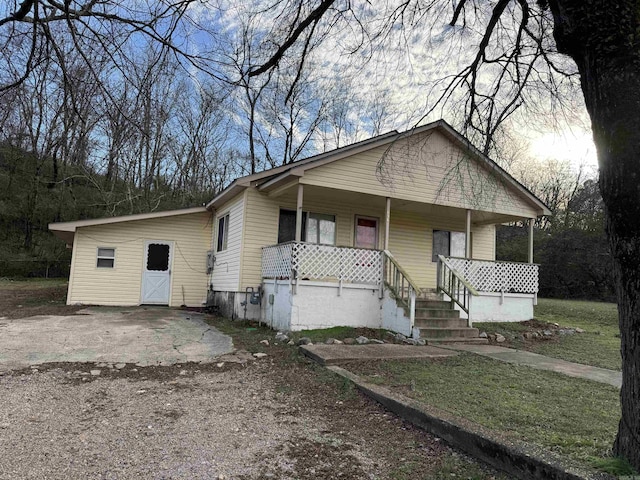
(158, 257)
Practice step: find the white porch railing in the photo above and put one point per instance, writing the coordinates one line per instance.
(500, 277)
(461, 277)
(399, 282)
(298, 260)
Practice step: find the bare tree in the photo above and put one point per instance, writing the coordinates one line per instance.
(518, 55)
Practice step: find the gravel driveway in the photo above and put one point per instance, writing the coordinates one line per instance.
(215, 421)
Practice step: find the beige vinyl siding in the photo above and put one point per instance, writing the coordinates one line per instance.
(260, 230)
(424, 168)
(410, 233)
(262, 216)
(226, 271)
(484, 242)
(121, 285)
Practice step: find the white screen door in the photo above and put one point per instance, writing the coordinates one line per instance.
(156, 275)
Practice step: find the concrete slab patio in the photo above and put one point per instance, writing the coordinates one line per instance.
(541, 362)
(141, 335)
(340, 354)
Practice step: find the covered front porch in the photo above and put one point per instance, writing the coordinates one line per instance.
(347, 258)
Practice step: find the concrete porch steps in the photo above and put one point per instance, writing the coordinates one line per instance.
(440, 323)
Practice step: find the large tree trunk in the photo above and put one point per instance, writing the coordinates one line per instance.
(603, 37)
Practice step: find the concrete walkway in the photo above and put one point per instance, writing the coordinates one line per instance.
(340, 354)
(541, 362)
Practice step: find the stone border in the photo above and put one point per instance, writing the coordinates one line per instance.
(519, 459)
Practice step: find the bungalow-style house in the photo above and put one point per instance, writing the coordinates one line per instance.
(397, 231)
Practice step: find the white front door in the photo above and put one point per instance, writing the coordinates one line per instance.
(156, 274)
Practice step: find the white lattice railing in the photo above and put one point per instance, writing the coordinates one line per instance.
(504, 277)
(276, 261)
(317, 262)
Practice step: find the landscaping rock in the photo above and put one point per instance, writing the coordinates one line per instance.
(375, 340)
(547, 333)
(492, 337)
(499, 338)
(264, 342)
(95, 373)
(291, 342)
(579, 330)
(349, 341)
(259, 355)
(421, 341)
(527, 335)
(304, 341)
(410, 341)
(330, 341)
(400, 337)
(483, 335)
(282, 337)
(337, 342)
(362, 340)
(555, 324)
(567, 331)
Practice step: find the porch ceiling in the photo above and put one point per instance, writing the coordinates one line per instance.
(318, 194)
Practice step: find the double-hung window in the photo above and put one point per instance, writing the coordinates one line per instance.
(223, 233)
(106, 257)
(448, 244)
(317, 228)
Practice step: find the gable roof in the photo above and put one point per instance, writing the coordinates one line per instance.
(66, 230)
(275, 177)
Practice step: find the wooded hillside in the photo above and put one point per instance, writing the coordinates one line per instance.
(35, 192)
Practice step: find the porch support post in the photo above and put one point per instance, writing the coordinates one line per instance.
(299, 213)
(387, 220)
(531, 222)
(467, 236)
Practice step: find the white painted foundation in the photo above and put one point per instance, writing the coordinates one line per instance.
(326, 304)
(395, 318)
(498, 307)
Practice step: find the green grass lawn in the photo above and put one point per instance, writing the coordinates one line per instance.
(31, 283)
(571, 417)
(598, 346)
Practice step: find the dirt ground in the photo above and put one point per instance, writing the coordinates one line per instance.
(279, 417)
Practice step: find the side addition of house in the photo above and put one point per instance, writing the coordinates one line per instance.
(397, 232)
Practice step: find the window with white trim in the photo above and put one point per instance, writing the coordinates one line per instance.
(448, 244)
(321, 229)
(317, 228)
(106, 257)
(223, 233)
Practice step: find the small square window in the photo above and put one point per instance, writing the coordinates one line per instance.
(106, 257)
(223, 233)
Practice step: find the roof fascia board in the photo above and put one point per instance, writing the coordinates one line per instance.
(72, 226)
(276, 182)
(228, 193)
